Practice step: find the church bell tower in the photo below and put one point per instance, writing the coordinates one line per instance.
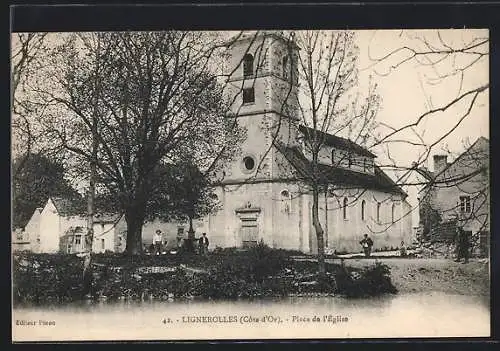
(262, 89)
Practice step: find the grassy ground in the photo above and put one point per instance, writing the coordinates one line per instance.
(433, 274)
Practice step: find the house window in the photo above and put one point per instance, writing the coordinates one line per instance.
(393, 208)
(465, 204)
(102, 244)
(248, 65)
(19, 236)
(363, 205)
(78, 240)
(378, 212)
(344, 208)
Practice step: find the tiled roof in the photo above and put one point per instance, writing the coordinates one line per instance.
(78, 207)
(333, 140)
(69, 206)
(335, 175)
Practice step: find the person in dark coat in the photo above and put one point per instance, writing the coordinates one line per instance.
(367, 244)
(463, 245)
(204, 244)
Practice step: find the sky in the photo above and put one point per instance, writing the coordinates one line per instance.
(406, 90)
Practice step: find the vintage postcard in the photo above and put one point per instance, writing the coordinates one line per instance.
(253, 184)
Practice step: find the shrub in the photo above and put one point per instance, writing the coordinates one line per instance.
(371, 281)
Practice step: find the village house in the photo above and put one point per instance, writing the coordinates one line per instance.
(262, 192)
(457, 195)
(60, 226)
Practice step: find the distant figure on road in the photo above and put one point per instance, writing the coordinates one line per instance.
(402, 249)
(157, 242)
(204, 244)
(367, 244)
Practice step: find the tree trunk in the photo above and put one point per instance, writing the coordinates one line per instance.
(319, 232)
(191, 230)
(134, 221)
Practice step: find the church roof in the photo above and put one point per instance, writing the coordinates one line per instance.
(336, 141)
(335, 175)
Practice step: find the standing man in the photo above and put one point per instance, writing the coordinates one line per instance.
(204, 244)
(367, 244)
(463, 245)
(157, 237)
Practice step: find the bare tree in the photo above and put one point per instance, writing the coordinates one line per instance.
(142, 99)
(452, 68)
(328, 104)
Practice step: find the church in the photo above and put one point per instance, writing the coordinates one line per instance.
(263, 192)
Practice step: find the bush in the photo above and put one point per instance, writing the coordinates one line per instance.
(371, 281)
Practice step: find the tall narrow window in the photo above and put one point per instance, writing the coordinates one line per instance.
(393, 209)
(333, 156)
(378, 212)
(344, 208)
(349, 158)
(102, 244)
(248, 65)
(363, 205)
(465, 204)
(285, 67)
(248, 96)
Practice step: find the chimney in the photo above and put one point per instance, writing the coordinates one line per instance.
(440, 163)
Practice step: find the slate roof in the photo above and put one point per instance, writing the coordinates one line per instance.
(78, 207)
(337, 142)
(336, 175)
(69, 206)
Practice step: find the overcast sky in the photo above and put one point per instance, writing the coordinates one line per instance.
(406, 90)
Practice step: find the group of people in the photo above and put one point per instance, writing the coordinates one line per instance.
(159, 245)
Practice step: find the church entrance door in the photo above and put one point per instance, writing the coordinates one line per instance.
(249, 232)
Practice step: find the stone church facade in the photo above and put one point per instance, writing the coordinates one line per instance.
(262, 193)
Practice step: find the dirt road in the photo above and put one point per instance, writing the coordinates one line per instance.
(433, 274)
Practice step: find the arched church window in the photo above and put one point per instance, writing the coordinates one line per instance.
(344, 207)
(378, 211)
(363, 206)
(248, 65)
(285, 67)
(285, 193)
(249, 163)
